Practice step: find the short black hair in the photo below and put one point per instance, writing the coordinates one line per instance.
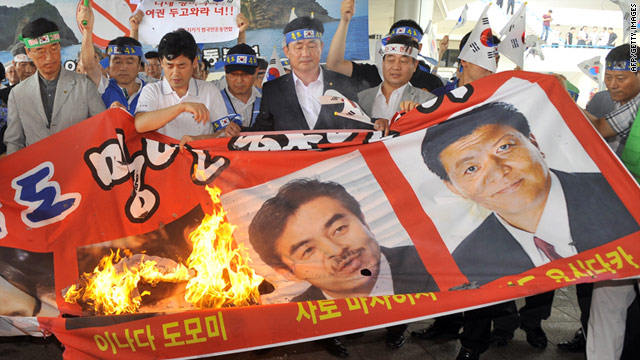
(39, 27)
(125, 41)
(242, 49)
(151, 55)
(621, 53)
(262, 64)
(304, 22)
(176, 43)
(406, 23)
(440, 136)
(2, 72)
(269, 222)
(463, 42)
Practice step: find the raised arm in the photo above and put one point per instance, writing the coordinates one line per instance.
(243, 24)
(335, 58)
(134, 24)
(88, 55)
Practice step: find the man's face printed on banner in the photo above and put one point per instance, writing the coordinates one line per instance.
(124, 68)
(327, 245)
(178, 71)
(304, 55)
(622, 85)
(498, 168)
(398, 69)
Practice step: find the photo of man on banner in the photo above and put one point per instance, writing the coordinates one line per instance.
(326, 231)
(315, 231)
(538, 214)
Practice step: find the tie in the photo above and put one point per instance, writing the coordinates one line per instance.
(548, 249)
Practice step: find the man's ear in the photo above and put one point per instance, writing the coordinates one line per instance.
(286, 50)
(451, 187)
(286, 273)
(419, 47)
(26, 51)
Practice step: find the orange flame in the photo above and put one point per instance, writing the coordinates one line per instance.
(224, 276)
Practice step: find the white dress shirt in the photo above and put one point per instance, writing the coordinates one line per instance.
(383, 110)
(308, 97)
(553, 227)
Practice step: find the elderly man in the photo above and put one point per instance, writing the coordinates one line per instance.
(125, 55)
(367, 75)
(291, 101)
(54, 99)
(606, 327)
(399, 62)
(25, 65)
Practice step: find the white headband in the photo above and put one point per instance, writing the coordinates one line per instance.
(400, 49)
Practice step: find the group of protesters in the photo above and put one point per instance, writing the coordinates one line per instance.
(171, 96)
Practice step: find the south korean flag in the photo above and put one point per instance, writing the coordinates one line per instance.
(241, 59)
(480, 47)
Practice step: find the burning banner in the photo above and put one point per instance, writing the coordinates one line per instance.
(115, 243)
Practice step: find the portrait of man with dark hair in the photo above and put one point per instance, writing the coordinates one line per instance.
(315, 231)
(488, 155)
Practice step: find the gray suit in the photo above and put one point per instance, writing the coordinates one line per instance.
(368, 96)
(76, 100)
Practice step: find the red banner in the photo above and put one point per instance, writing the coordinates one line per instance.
(514, 194)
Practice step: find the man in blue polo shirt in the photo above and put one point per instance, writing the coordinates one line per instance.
(125, 54)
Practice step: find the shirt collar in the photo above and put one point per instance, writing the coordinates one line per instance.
(397, 91)
(297, 81)
(193, 87)
(553, 227)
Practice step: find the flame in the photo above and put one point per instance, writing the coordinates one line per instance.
(224, 276)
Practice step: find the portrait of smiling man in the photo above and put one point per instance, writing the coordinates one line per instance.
(489, 156)
(315, 231)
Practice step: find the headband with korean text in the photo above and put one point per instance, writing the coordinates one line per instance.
(49, 38)
(405, 30)
(124, 50)
(241, 59)
(621, 66)
(400, 49)
(302, 34)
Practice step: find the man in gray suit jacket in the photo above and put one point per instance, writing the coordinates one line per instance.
(51, 100)
(399, 62)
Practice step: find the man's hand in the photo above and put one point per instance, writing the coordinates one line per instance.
(85, 16)
(443, 45)
(242, 22)
(117, 104)
(134, 23)
(232, 130)
(347, 9)
(381, 125)
(185, 139)
(408, 105)
(199, 111)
